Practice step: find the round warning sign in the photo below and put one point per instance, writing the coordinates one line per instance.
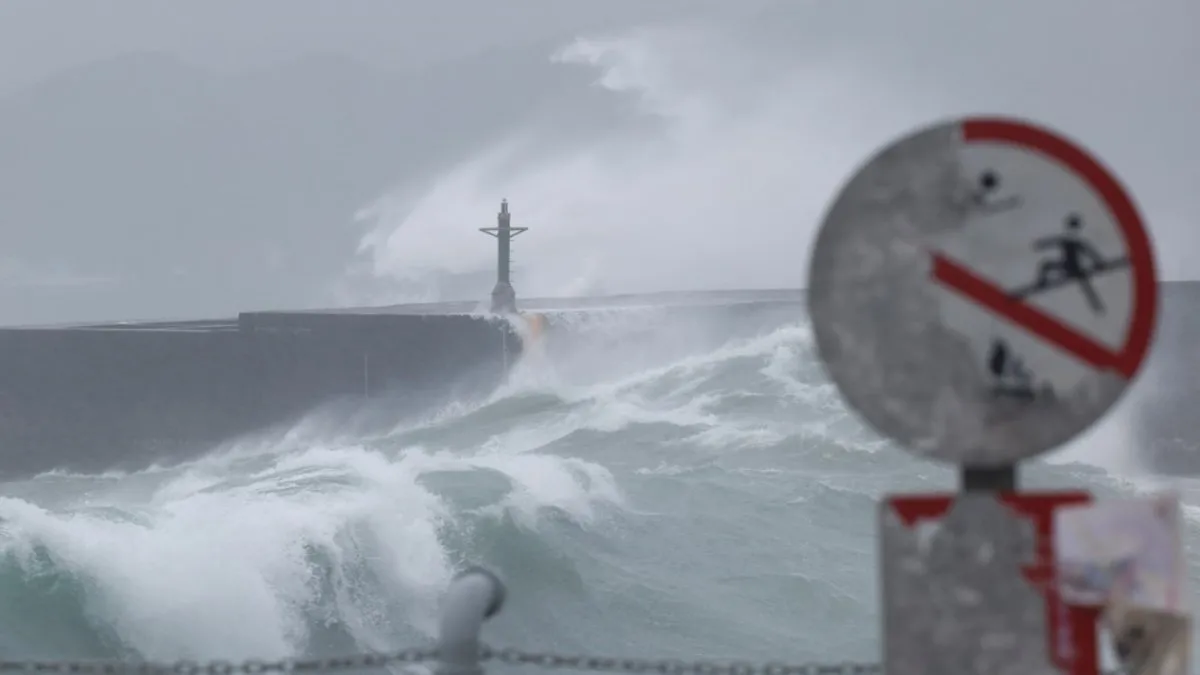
(982, 291)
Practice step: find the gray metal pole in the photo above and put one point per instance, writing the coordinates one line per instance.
(504, 244)
(475, 595)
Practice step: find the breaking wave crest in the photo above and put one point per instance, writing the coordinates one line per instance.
(660, 495)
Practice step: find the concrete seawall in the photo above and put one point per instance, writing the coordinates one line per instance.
(122, 396)
(90, 398)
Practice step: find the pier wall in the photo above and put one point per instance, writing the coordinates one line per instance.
(102, 397)
(122, 396)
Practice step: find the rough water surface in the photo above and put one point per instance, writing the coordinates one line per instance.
(690, 492)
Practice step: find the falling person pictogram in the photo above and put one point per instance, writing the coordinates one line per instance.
(1077, 261)
(1010, 377)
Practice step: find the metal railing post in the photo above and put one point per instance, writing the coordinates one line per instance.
(475, 595)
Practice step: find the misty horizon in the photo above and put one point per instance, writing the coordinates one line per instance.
(675, 150)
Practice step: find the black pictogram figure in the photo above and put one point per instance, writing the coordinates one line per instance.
(984, 197)
(1077, 261)
(1009, 375)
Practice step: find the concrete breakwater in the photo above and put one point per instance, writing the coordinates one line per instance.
(97, 397)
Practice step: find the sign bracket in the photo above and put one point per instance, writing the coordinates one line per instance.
(982, 479)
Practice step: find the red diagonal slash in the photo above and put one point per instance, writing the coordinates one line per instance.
(988, 295)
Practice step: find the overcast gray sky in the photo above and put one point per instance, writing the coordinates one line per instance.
(38, 37)
(749, 118)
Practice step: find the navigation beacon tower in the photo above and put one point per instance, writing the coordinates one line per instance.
(504, 298)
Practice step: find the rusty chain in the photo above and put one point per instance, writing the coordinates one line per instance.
(410, 657)
(673, 666)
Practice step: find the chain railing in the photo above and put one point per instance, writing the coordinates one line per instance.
(473, 597)
(417, 657)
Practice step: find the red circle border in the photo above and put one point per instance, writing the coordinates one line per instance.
(1120, 205)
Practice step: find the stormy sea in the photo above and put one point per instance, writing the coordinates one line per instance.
(647, 485)
(655, 490)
